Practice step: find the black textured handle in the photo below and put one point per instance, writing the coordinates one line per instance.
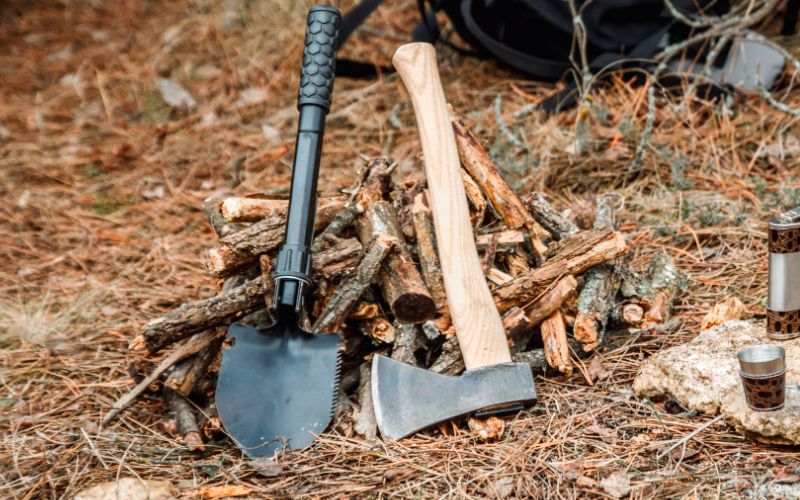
(319, 57)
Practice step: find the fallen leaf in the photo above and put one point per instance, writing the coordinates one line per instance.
(486, 429)
(682, 454)
(597, 371)
(617, 484)
(174, 94)
(129, 488)
(503, 487)
(212, 492)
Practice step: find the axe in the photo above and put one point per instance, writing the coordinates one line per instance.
(406, 398)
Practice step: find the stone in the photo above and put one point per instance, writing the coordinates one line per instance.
(703, 375)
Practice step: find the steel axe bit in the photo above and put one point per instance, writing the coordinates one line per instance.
(406, 398)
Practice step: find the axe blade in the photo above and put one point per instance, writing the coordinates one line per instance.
(408, 399)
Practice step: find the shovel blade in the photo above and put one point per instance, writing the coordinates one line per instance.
(277, 387)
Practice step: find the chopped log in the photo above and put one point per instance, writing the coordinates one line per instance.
(336, 261)
(197, 316)
(555, 223)
(364, 422)
(475, 160)
(426, 251)
(222, 227)
(188, 373)
(243, 247)
(596, 300)
(192, 346)
(556, 347)
(345, 297)
(187, 423)
(450, 361)
(406, 342)
(535, 358)
(257, 207)
(528, 317)
(365, 310)
(498, 277)
(378, 329)
(579, 253)
(400, 281)
(340, 222)
(660, 289)
(475, 198)
(516, 263)
(632, 314)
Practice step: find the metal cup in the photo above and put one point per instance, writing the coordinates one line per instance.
(763, 371)
(783, 305)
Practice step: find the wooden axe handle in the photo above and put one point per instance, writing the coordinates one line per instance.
(479, 328)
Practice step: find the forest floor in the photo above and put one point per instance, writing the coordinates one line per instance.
(102, 229)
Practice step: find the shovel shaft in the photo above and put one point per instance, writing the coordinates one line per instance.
(293, 266)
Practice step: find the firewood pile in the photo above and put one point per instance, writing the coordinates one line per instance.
(558, 285)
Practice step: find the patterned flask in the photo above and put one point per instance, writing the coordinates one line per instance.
(783, 308)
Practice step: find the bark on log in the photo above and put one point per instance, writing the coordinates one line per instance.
(552, 221)
(475, 198)
(336, 261)
(450, 361)
(475, 160)
(258, 207)
(406, 342)
(188, 373)
(243, 247)
(222, 227)
(400, 282)
(556, 347)
(521, 323)
(364, 422)
(345, 297)
(197, 316)
(426, 252)
(187, 423)
(596, 300)
(578, 254)
(660, 289)
(516, 263)
(535, 358)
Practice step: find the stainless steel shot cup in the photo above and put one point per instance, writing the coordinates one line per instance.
(763, 371)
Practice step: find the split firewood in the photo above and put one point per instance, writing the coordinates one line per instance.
(400, 281)
(505, 241)
(336, 261)
(188, 373)
(257, 207)
(535, 358)
(243, 247)
(477, 202)
(629, 311)
(378, 329)
(555, 223)
(516, 262)
(364, 421)
(601, 284)
(345, 297)
(426, 251)
(186, 421)
(475, 160)
(524, 319)
(190, 347)
(221, 226)
(450, 361)
(576, 255)
(406, 341)
(365, 310)
(660, 289)
(498, 277)
(556, 348)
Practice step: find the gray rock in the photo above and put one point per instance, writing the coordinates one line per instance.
(703, 375)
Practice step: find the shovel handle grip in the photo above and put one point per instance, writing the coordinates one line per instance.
(319, 57)
(478, 326)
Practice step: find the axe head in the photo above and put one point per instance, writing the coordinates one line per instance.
(408, 399)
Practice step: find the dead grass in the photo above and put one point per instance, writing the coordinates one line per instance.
(102, 230)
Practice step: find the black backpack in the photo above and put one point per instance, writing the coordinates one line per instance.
(535, 37)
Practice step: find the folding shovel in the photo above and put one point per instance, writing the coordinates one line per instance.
(277, 385)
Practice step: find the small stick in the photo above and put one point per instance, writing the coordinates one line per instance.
(192, 346)
(345, 297)
(426, 251)
(257, 207)
(689, 436)
(187, 423)
(555, 223)
(556, 347)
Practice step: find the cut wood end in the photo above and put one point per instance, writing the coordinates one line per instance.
(585, 329)
(193, 441)
(138, 342)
